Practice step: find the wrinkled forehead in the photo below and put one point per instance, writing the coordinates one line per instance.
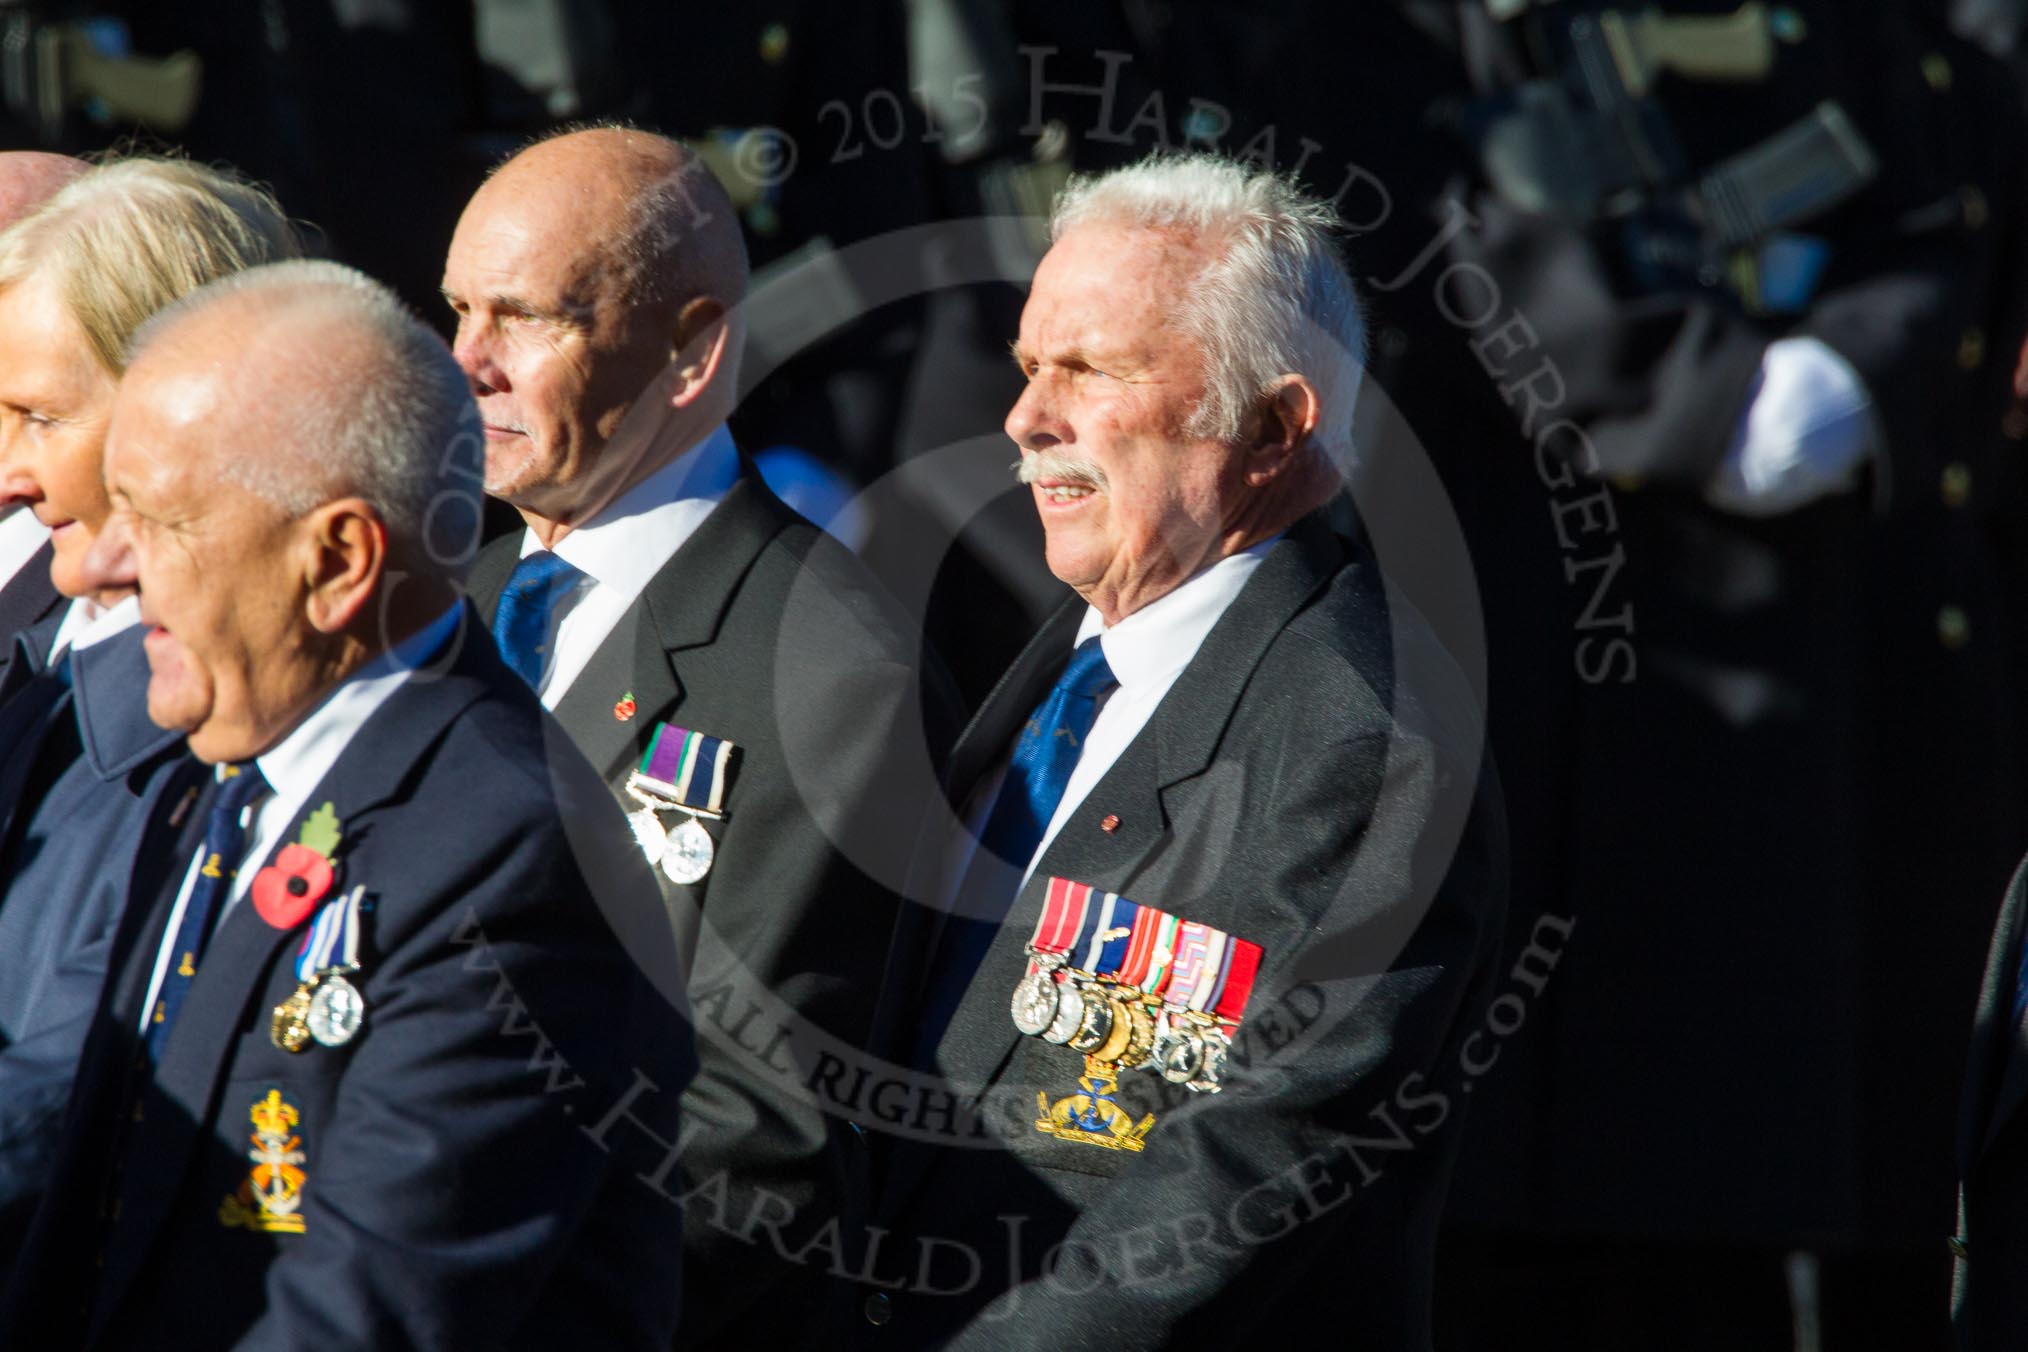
(536, 232)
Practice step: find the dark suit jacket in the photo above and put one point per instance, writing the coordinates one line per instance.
(451, 1195)
(84, 772)
(1989, 1301)
(28, 598)
(1309, 783)
(762, 630)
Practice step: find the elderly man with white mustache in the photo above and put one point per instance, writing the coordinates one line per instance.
(1233, 886)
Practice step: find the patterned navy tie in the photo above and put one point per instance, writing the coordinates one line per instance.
(1037, 774)
(224, 843)
(521, 627)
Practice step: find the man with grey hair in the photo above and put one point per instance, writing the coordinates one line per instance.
(408, 1022)
(748, 690)
(1203, 975)
(28, 178)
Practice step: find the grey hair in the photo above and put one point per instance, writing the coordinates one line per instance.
(1276, 298)
(403, 434)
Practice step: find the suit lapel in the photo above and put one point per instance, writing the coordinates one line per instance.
(921, 943)
(490, 572)
(681, 608)
(239, 958)
(29, 594)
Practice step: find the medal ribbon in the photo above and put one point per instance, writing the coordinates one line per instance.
(1217, 949)
(1230, 1001)
(1106, 943)
(1063, 912)
(690, 768)
(333, 940)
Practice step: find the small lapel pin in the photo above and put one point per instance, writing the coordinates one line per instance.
(1110, 822)
(625, 709)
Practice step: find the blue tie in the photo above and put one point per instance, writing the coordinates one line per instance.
(224, 843)
(1045, 754)
(1037, 774)
(521, 625)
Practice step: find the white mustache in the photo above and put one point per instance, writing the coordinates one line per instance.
(1070, 469)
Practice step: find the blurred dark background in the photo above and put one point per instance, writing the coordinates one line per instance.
(1761, 750)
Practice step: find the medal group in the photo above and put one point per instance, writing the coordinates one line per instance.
(681, 771)
(1133, 987)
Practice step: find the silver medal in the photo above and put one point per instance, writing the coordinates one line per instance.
(1179, 1054)
(1207, 1078)
(1069, 1014)
(336, 1011)
(649, 832)
(1035, 1000)
(687, 857)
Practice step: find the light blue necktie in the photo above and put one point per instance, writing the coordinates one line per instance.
(521, 627)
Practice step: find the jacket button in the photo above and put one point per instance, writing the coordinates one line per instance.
(879, 1309)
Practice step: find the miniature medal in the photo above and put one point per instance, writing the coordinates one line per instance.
(688, 856)
(1096, 1024)
(1179, 1053)
(1069, 1013)
(289, 1029)
(336, 1011)
(1034, 1004)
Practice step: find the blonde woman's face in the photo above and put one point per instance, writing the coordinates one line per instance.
(55, 402)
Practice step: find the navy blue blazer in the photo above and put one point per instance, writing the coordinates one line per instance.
(466, 1171)
(83, 772)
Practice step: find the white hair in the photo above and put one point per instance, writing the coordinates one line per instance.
(1275, 300)
(400, 431)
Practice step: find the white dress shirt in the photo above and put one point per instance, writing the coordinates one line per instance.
(296, 765)
(86, 622)
(1806, 431)
(1146, 651)
(622, 548)
(20, 536)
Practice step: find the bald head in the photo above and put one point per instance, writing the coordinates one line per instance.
(318, 383)
(639, 203)
(598, 278)
(28, 178)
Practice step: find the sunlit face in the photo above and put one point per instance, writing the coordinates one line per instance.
(221, 595)
(555, 354)
(1131, 504)
(55, 401)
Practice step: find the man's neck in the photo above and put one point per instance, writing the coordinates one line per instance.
(618, 470)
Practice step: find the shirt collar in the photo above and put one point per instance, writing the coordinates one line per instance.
(626, 544)
(295, 765)
(86, 622)
(1158, 640)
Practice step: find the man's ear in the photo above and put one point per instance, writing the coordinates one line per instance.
(1284, 420)
(344, 558)
(698, 345)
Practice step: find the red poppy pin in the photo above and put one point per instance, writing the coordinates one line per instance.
(626, 708)
(286, 891)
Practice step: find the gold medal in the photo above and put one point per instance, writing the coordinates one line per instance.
(290, 1027)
